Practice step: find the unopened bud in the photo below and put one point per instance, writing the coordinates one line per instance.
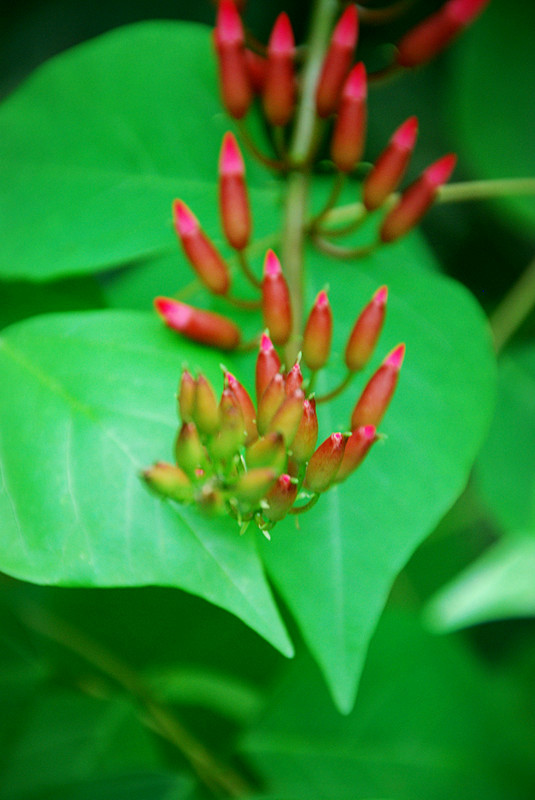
(378, 392)
(190, 455)
(200, 326)
(256, 66)
(231, 434)
(387, 172)
(210, 500)
(337, 62)
(357, 447)
(200, 251)
(278, 96)
(267, 365)
(325, 463)
(435, 33)
(318, 333)
(349, 135)
(417, 199)
(294, 379)
(269, 451)
(366, 331)
(270, 402)
(253, 485)
(169, 481)
(276, 303)
(246, 405)
(305, 439)
(288, 416)
(206, 412)
(236, 91)
(186, 396)
(233, 198)
(280, 498)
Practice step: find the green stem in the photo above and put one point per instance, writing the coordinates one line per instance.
(336, 188)
(300, 509)
(271, 163)
(514, 308)
(239, 302)
(324, 398)
(336, 251)
(247, 271)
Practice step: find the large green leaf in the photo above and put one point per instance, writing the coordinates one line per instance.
(97, 143)
(336, 570)
(428, 722)
(492, 90)
(87, 402)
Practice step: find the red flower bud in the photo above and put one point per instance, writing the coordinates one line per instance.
(189, 452)
(233, 198)
(256, 66)
(201, 326)
(169, 481)
(234, 79)
(278, 96)
(337, 62)
(270, 402)
(318, 333)
(267, 365)
(325, 463)
(288, 416)
(205, 412)
(269, 451)
(356, 450)
(306, 437)
(246, 405)
(375, 399)
(294, 379)
(436, 32)
(199, 250)
(349, 135)
(231, 434)
(390, 167)
(276, 303)
(416, 199)
(186, 396)
(252, 486)
(280, 499)
(366, 331)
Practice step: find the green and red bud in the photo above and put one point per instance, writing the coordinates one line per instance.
(233, 198)
(280, 498)
(325, 463)
(436, 32)
(234, 81)
(390, 167)
(190, 454)
(252, 486)
(278, 96)
(366, 331)
(349, 134)
(378, 392)
(206, 410)
(306, 437)
(417, 199)
(202, 254)
(267, 366)
(269, 451)
(169, 481)
(205, 327)
(288, 416)
(318, 333)
(357, 447)
(246, 405)
(256, 66)
(294, 379)
(337, 62)
(231, 434)
(186, 396)
(270, 402)
(276, 302)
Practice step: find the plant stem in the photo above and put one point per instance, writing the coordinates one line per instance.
(271, 163)
(514, 308)
(336, 188)
(210, 771)
(246, 269)
(337, 251)
(299, 155)
(324, 398)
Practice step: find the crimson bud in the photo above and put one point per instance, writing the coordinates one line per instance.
(276, 303)
(390, 167)
(233, 198)
(279, 87)
(267, 365)
(200, 251)
(236, 90)
(318, 333)
(375, 399)
(200, 326)
(325, 463)
(349, 135)
(337, 62)
(356, 449)
(280, 499)
(366, 331)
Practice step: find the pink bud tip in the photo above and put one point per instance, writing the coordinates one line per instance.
(395, 358)
(229, 28)
(272, 266)
(381, 295)
(230, 379)
(346, 31)
(322, 301)
(355, 85)
(336, 438)
(440, 171)
(405, 136)
(282, 39)
(369, 432)
(265, 343)
(285, 480)
(173, 312)
(464, 11)
(231, 159)
(185, 221)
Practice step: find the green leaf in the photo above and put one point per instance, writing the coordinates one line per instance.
(336, 569)
(87, 402)
(500, 584)
(98, 142)
(428, 722)
(482, 95)
(505, 468)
